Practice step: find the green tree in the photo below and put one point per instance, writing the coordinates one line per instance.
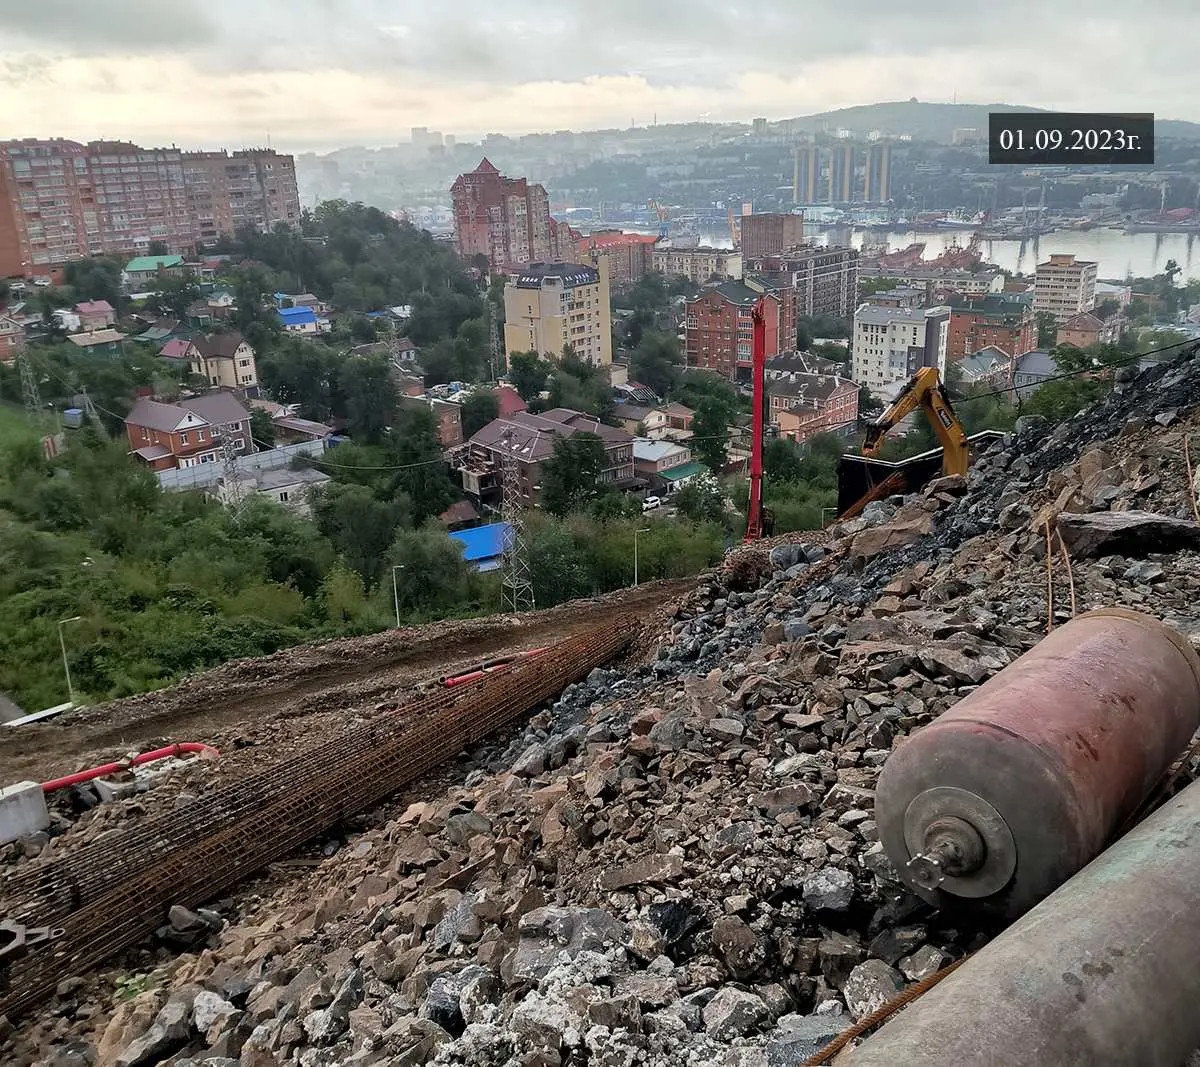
(701, 500)
(424, 476)
(480, 408)
(710, 434)
(557, 564)
(528, 373)
(365, 383)
(1047, 328)
(435, 579)
(262, 428)
(360, 526)
(174, 294)
(254, 314)
(1059, 400)
(655, 362)
(95, 278)
(571, 474)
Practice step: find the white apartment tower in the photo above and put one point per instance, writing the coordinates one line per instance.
(1065, 286)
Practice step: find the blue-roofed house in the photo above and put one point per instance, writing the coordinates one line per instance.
(483, 546)
(298, 320)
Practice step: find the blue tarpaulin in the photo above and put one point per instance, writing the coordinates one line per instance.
(483, 545)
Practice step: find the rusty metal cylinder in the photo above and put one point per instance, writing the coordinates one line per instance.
(1025, 780)
(1102, 973)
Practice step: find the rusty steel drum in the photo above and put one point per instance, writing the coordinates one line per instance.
(1028, 778)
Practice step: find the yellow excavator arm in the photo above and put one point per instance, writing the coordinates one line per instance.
(924, 390)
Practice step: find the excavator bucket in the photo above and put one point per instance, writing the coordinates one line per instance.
(862, 479)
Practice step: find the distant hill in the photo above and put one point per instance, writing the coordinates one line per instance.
(937, 122)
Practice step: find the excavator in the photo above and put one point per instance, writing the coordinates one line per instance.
(861, 480)
(866, 478)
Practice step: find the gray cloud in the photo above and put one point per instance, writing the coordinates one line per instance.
(93, 27)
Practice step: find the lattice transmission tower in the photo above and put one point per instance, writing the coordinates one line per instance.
(234, 496)
(518, 576)
(30, 395)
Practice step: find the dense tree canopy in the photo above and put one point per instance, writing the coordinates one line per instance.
(571, 475)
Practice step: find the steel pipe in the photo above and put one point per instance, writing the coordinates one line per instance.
(1028, 778)
(1102, 973)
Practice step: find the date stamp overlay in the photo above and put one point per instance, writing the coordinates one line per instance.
(1057, 138)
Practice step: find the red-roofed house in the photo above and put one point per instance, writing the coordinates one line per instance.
(509, 402)
(186, 433)
(176, 348)
(95, 314)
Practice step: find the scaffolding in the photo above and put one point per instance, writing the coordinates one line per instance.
(518, 576)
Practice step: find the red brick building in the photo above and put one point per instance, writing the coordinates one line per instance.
(808, 404)
(189, 432)
(508, 220)
(719, 327)
(989, 320)
(12, 338)
(629, 254)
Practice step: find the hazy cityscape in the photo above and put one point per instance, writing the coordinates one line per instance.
(595, 537)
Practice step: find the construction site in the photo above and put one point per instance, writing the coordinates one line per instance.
(917, 788)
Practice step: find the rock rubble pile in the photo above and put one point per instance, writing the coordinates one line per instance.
(678, 862)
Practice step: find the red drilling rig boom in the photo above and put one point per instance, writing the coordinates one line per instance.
(758, 518)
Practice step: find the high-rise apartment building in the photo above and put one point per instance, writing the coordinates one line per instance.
(61, 200)
(841, 174)
(877, 174)
(768, 232)
(1064, 286)
(225, 192)
(891, 344)
(506, 219)
(806, 167)
(551, 305)
(825, 278)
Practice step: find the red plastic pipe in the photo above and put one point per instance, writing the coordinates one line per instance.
(490, 667)
(146, 757)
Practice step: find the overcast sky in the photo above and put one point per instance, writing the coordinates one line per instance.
(323, 73)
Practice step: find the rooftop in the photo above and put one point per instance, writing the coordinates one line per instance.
(812, 388)
(141, 264)
(1083, 321)
(282, 477)
(214, 408)
(648, 451)
(568, 274)
(218, 345)
(106, 336)
(483, 542)
(299, 316)
(877, 315)
(687, 470)
(93, 307)
(531, 437)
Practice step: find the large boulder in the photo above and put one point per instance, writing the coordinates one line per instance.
(1125, 533)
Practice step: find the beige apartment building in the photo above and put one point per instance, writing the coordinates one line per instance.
(551, 305)
(1065, 286)
(699, 265)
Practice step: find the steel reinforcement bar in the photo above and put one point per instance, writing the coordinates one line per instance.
(183, 857)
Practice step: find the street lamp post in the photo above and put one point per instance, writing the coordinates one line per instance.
(62, 643)
(645, 529)
(396, 592)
